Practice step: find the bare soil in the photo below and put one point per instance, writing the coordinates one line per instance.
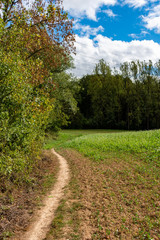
(112, 200)
(43, 218)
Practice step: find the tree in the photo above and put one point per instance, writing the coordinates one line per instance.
(34, 43)
(45, 32)
(63, 95)
(125, 99)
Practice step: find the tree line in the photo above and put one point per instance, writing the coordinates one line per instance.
(36, 43)
(124, 98)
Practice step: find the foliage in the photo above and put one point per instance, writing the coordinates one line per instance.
(125, 99)
(65, 104)
(35, 42)
(24, 116)
(45, 32)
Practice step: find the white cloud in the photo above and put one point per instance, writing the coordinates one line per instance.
(152, 21)
(90, 51)
(28, 3)
(144, 33)
(110, 13)
(1, 13)
(133, 35)
(79, 8)
(136, 36)
(136, 3)
(87, 30)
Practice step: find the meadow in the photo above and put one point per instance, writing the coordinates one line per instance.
(97, 143)
(116, 177)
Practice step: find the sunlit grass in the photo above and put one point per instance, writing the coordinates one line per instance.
(65, 136)
(98, 144)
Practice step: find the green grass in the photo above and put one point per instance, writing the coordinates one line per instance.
(65, 136)
(98, 144)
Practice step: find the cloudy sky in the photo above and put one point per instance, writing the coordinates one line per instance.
(115, 30)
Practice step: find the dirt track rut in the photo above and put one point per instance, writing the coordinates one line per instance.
(43, 218)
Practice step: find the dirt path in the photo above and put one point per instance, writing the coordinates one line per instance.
(110, 199)
(43, 218)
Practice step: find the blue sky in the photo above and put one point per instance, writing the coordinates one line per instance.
(114, 30)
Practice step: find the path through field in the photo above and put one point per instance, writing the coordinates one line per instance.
(110, 199)
(44, 217)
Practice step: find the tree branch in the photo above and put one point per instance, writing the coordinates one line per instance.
(36, 51)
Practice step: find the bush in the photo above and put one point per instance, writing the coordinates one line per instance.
(24, 112)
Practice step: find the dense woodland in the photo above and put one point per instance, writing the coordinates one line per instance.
(125, 98)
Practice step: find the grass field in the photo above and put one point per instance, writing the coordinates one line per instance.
(118, 177)
(65, 136)
(97, 143)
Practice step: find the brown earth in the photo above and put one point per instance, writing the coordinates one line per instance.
(109, 199)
